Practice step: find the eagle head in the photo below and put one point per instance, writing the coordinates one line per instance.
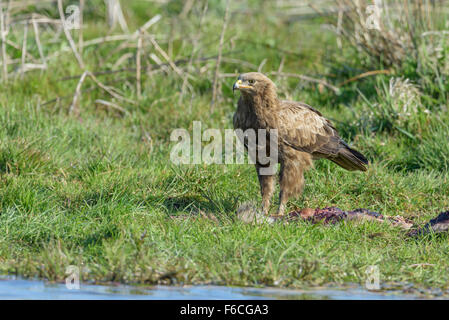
(254, 83)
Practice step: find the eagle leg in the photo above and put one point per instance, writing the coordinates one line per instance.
(266, 188)
(291, 183)
(283, 198)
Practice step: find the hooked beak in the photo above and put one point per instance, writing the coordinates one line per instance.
(238, 85)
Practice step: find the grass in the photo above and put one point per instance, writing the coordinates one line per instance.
(96, 192)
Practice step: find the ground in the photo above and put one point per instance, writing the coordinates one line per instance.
(98, 190)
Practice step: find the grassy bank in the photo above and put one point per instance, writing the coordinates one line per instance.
(95, 187)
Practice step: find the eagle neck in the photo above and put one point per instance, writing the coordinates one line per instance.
(264, 105)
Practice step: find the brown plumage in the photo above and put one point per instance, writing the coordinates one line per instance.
(303, 135)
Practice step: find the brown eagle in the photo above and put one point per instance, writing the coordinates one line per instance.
(303, 135)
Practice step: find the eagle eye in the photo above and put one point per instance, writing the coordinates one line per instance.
(251, 81)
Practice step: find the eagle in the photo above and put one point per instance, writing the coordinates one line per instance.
(303, 135)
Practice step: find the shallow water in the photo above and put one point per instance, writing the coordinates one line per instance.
(36, 289)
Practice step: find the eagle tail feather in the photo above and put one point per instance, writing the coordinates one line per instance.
(350, 159)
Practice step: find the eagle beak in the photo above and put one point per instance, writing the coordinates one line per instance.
(236, 85)
(239, 85)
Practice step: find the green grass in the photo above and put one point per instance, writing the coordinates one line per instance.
(93, 191)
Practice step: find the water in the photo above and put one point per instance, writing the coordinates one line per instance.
(36, 289)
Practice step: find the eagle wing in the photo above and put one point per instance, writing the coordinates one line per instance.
(305, 129)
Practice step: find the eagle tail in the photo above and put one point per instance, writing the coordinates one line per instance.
(350, 159)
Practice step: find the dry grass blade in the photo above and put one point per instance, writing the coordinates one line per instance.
(134, 36)
(110, 90)
(111, 105)
(118, 37)
(148, 24)
(159, 62)
(33, 66)
(38, 41)
(166, 57)
(220, 49)
(122, 59)
(80, 31)
(262, 64)
(19, 48)
(115, 14)
(307, 78)
(138, 66)
(432, 33)
(3, 37)
(74, 106)
(11, 62)
(69, 36)
(24, 47)
(186, 9)
(24, 3)
(364, 75)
